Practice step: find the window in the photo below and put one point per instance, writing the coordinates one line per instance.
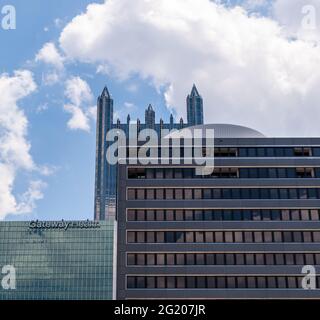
(314, 215)
(178, 194)
(160, 259)
(209, 237)
(141, 259)
(189, 215)
(216, 193)
(190, 259)
(240, 258)
(140, 194)
(151, 259)
(197, 194)
(180, 259)
(131, 259)
(160, 237)
(230, 259)
(169, 194)
(207, 194)
(159, 194)
(188, 194)
(179, 215)
(267, 236)
(191, 282)
(141, 215)
(218, 236)
(199, 236)
(160, 215)
(169, 173)
(140, 237)
(131, 215)
(307, 236)
(248, 236)
(238, 236)
(170, 259)
(181, 282)
(269, 259)
(131, 237)
(150, 237)
(220, 259)
(151, 282)
(228, 237)
(161, 282)
(170, 237)
(131, 194)
(208, 215)
(131, 282)
(200, 260)
(189, 237)
(171, 282)
(169, 215)
(198, 215)
(150, 215)
(159, 173)
(258, 236)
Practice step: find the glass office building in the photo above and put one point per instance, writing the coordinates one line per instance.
(58, 260)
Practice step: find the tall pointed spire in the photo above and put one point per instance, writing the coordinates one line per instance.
(194, 107)
(104, 193)
(150, 117)
(105, 93)
(194, 91)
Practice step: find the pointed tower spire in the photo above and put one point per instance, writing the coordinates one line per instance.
(150, 117)
(171, 121)
(194, 107)
(102, 183)
(105, 93)
(194, 91)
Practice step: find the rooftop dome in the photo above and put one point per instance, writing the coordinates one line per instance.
(228, 131)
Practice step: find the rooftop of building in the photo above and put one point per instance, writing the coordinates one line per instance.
(227, 131)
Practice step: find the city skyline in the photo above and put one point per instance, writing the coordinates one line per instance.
(255, 64)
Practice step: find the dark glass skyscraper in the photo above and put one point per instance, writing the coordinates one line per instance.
(105, 196)
(150, 116)
(105, 178)
(194, 108)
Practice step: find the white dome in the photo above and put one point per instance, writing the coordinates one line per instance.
(227, 131)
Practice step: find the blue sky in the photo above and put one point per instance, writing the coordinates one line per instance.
(244, 62)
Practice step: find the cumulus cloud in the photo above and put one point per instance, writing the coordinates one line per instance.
(247, 69)
(80, 96)
(299, 18)
(50, 55)
(54, 62)
(14, 147)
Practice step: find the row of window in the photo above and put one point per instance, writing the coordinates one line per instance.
(223, 173)
(181, 259)
(223, 215)
(241, 152)
(222, 236)
(216, 282)
(222, 193)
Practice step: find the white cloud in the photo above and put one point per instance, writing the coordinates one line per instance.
(28, 200)
(14, 147)
(129, 105)
(50, 55)
(246, 68)
(50, 78)
(80, 96)
(299, 18)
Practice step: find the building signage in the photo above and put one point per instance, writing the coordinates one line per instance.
(64, 225)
